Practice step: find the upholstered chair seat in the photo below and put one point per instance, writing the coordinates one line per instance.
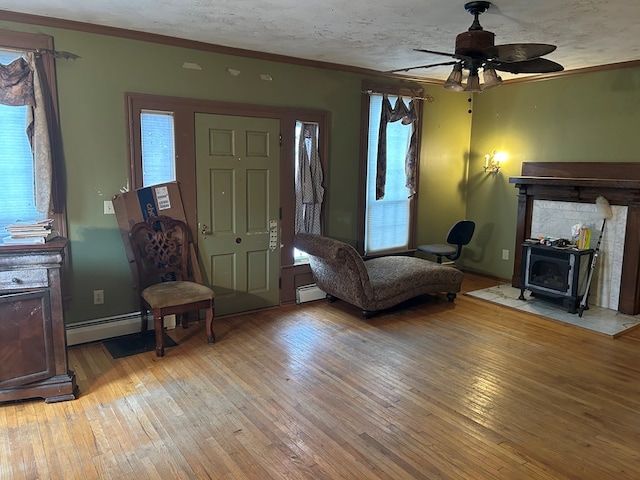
(162, 295)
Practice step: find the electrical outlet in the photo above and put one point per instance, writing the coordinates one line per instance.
(98, 297)
(505, 254)
(108, 208)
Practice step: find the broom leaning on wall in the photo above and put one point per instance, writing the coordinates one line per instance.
(605, 210)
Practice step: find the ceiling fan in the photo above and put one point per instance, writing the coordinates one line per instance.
(475, 49)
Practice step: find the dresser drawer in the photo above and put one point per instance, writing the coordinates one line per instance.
(27, 278)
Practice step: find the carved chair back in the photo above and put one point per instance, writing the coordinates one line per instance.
(161, 249)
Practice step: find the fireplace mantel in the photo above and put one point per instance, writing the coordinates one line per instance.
(615, 183)
(583, 182)
(568, 189)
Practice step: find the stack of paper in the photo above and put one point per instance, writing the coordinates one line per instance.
(30, 232)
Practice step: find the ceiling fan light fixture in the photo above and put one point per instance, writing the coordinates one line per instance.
(473, 83)
(475, 49)
(491, 78)
(454, 82)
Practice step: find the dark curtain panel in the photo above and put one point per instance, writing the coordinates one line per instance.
(408, 115)
(53, 131)
(16, 84)
(24, 82)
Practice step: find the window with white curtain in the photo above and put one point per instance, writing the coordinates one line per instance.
(158, 147)
(388, 221)
(17, 195)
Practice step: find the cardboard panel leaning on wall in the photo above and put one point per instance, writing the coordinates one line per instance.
(139, 205)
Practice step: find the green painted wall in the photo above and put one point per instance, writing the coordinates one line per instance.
(92, 115)
(442, 198)
(589, 117)
(592, 117)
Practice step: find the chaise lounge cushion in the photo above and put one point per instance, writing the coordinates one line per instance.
(378, 283)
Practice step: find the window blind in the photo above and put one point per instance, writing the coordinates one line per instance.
(158, 147)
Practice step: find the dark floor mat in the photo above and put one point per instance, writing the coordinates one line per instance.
(135, 343)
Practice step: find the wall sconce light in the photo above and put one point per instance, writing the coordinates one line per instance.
(492, 161)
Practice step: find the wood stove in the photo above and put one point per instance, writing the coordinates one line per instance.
(618, 182)
(559, 274)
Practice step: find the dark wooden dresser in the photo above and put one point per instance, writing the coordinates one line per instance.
(33, 342)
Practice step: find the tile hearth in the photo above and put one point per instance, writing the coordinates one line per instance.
(598, 319)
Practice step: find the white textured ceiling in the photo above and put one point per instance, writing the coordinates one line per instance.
(373, 34)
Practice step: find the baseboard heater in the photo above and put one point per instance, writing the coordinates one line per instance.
(309, 293)
(108, 327)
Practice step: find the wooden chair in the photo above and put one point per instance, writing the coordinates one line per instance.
(166, 286)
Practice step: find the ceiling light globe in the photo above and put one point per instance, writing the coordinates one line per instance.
(454, 82)
(491, 79)
(473, 83)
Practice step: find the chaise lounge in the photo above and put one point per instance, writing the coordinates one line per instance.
(375, 284)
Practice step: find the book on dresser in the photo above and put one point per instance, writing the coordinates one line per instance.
(30, 239)
(30, 232)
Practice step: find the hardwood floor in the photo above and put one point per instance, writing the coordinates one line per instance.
(467, 390)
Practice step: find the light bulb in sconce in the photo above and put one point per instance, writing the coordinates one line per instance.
(493, 160)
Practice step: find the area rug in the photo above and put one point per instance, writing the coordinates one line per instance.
(598, 319)
(135, 343)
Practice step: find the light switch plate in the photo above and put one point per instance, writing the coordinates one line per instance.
(108, 208)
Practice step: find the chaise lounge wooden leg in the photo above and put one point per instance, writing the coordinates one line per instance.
(451, 297)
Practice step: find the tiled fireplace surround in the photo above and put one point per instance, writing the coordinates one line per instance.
(554, 196)
(555, 219)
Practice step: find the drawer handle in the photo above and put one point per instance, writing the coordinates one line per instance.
(16, 280)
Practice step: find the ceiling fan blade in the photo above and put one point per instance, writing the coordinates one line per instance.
(434, 52)
(518, 52)
(537, 65)
(420, 66)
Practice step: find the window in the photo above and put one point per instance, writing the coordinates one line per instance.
(17, 195)
(22, 196)
(388, 216)
(158, 147)
(308, 183)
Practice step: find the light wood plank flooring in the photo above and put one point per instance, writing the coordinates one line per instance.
(467, 390)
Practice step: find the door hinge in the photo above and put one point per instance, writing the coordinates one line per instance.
(280, 283)
(281, 139)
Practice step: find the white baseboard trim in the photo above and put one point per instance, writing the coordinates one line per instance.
(309, 293)
(102, 328)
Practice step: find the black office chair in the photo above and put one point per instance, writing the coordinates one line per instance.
(459, 235)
